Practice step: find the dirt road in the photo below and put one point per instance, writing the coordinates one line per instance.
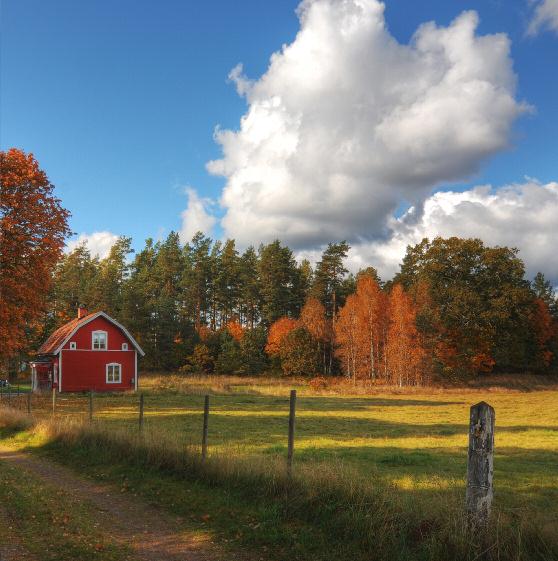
(151, 534)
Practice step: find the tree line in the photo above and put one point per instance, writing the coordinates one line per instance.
(456, 308)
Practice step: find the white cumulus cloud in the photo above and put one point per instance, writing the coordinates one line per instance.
(524, 216)
(545, 16)
(197, 216)
(347, 124)
(98, 243)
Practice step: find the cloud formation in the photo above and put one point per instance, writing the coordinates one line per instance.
(523, 216)
(197, 216)
(98, 243)
(347, 124)
(544, 17)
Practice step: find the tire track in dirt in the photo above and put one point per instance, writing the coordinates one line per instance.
(152, 535)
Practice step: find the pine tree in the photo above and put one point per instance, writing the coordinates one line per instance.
(73, 285)
(112, 273)
(250, 297)
(228, 283)
(196, 278)
(280, 286)
(544, 291)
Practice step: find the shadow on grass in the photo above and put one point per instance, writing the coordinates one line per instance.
(312, 522)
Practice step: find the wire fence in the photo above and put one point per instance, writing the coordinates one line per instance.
(92, 408)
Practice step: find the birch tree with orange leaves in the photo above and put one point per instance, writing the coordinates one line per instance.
(313, 318)
(348, 337)
(33, 227)
(372, 318)
(403, 351)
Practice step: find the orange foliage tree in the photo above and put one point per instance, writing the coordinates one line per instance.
(404, 355)
(372, 314)
(33, 227)
(348, 337)
(235, 330)
(277, 332)
(313, 318)
(360, 331)
(545, 330)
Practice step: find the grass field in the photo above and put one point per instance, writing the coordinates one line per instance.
(412, 443)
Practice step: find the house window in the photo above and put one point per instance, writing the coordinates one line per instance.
(114, 373)
(124, 346)
(99, 340)
(73, 346)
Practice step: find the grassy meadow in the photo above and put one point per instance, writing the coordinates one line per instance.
(410, 444)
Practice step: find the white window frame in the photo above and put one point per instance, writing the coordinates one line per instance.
(124, 346)
(98, 332)
(73, 345)
(113, 364)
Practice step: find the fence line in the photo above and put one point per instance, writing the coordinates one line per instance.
(480, 456)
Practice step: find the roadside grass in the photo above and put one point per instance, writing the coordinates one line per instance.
(51, 524)
(412, 441)
(322, 514)
(381, 473)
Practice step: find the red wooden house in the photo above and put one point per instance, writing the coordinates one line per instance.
(91, 352)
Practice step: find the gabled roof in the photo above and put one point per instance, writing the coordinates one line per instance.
(62, 335)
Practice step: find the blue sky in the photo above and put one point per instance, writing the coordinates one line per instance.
(119, 100)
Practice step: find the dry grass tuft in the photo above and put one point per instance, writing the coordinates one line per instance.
(341, 502)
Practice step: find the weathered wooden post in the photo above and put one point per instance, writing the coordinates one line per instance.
(480, 464)
(141, 412)
(205, 427)
(290, 448)
(90, 406)
(29, 403)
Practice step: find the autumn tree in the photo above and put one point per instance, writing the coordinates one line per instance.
(33, 227)
(277, 332)
(313, 318)
(235, 329)
(403, 352)
(372, 318)
(482, 301)
(298, 353)
(348, 338)
(545, 332)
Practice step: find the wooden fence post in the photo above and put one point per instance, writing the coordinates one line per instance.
(141, 412)
(205, 427)
(480, 464)
(290, 449)
(29, 403)
(90, 406)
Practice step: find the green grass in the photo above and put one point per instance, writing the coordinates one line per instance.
(411, 446)
(50, 523)
(412, 441)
